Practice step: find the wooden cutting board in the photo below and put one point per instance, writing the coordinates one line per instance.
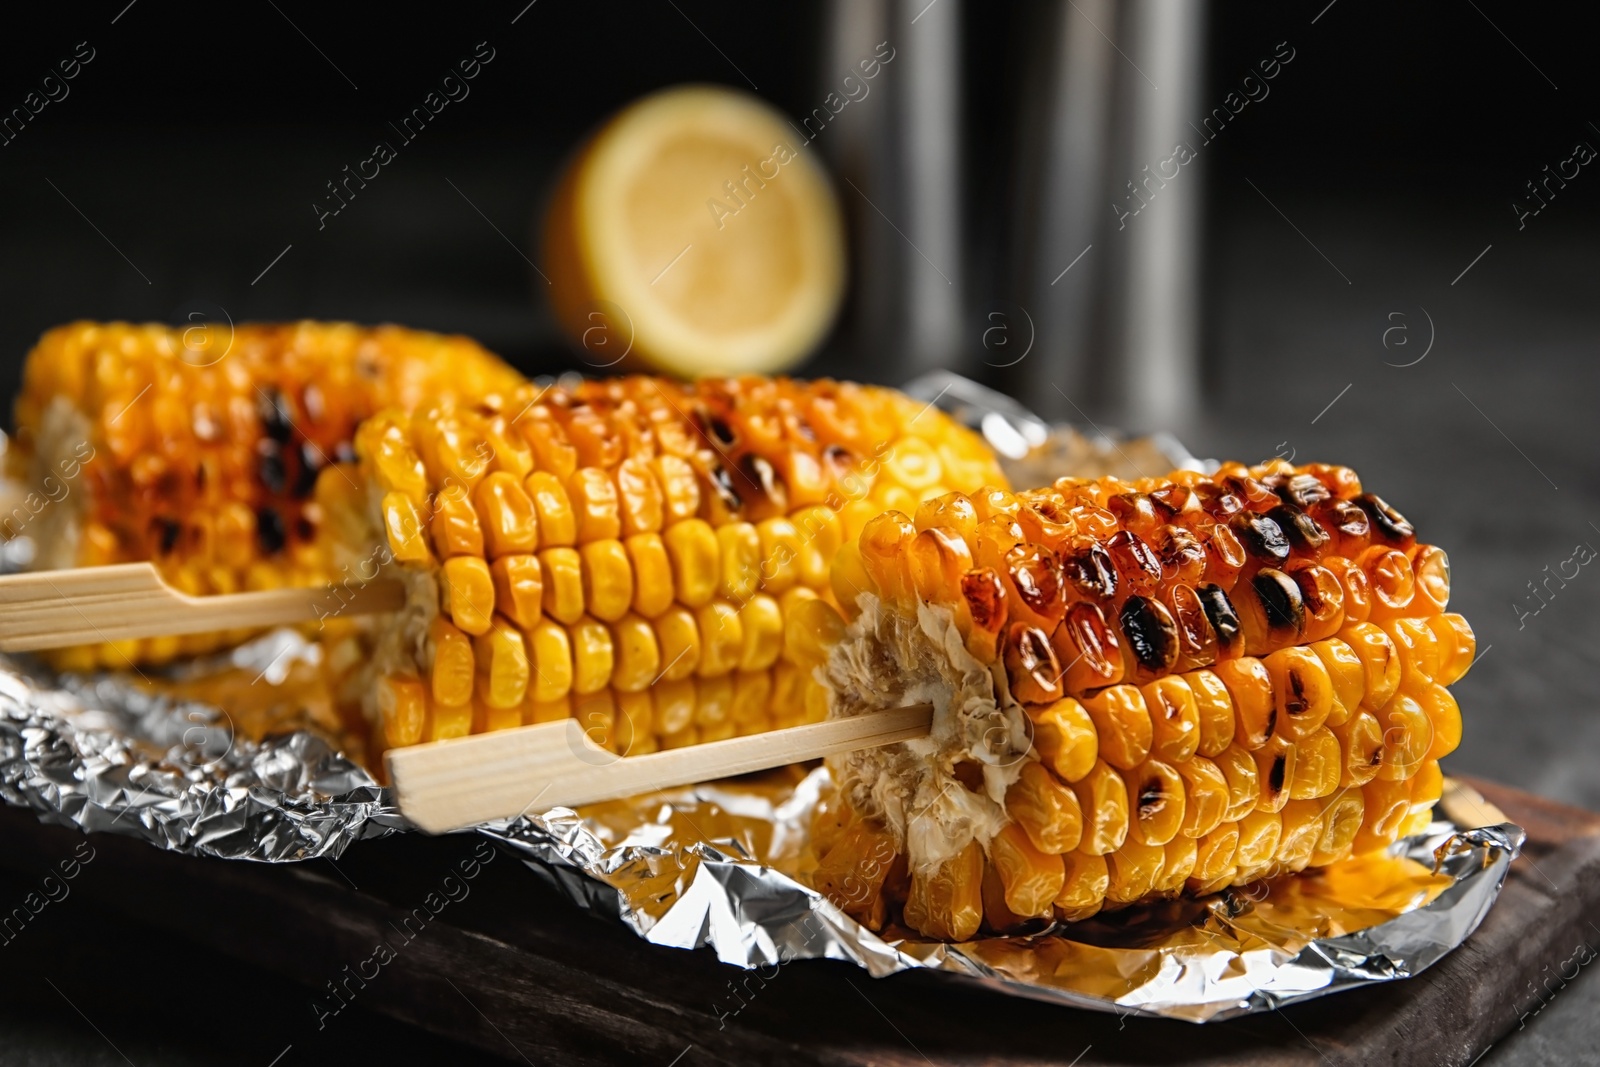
(516, 971)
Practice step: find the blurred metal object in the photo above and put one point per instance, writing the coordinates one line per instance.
(1106, 230)
(897, 151)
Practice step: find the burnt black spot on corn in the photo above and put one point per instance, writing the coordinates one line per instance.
(1261, 537)
(1387, 523)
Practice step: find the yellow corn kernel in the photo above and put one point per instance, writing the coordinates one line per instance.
(780, 554)
(541, 711)
(1317, 767)
(403, 706)
(852, 871)
(721, 638)
(455, 527)
(1083, 887)
(1214, 856)
(1457, 646)
(1122, 722)
(1215, 709)
(1302, 829)
(938, 559)
(652, 574)
(1135, 869)
(1103, 799)
(1155, 802)
(1407, 737)
(1427, 787)
(680, 488)
(739, 560)
(551, 661)
(403, 528)
(607, 579)
(1302, 691)
(1182, 854)
(1174, 718)
(454, 668)
(1348, 678)
(596, 715)
(518, 588)
(593, 655)
(1341, 821)
(1360, 748)
(681, 739)
(466, 593)
(563, 584)
(1046, 810)
(1032, 878)
(1254, 704)
(821, 534)
(594, 501)
(946, 903)
(883, 543)
(502, 661)
(639, 497)
(558, 525)
(848, 578)
(1379, 661)
(1386, 805)
(762, 623)
(1444, 720)
(675, 705)
(811, 629)
(752, 695)
(1238, 768)
(679, 638)
(716, 703)
(448, 720)
(692, 547)
(1066, 739)
(1418, 649)
(506, 513)
(911, 462)
(638, 656)
(1259, 833)
(507, 453)
(1206, 797)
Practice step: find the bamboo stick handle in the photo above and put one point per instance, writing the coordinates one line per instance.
(54, 609)
(446, 785)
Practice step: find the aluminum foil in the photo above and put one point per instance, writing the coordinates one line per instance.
(239, 757)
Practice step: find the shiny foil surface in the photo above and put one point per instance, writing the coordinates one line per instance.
(240, 756)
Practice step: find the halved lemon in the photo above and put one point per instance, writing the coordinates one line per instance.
(696, 234)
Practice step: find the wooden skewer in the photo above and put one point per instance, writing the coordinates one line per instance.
(85, 605)
(446, 785)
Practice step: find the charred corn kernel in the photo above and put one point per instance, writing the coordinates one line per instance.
(1067, 739)
(1083, 888)
(652, 574)
(1103, 800)
(1407, 737)
(1206, 796)
(1215, 710)
(403, 528)
(721, 638)
(1134, 870)
(607, 579)
(1032, 877)
(593, 655)
(454, 668)
(455, 526)
(518, 589)
(1122, 725)
(947, 901)
(693, 549)
(1174, 718)
(679, 637)
(761, 621)
(811, 628)
(403, 703)
(466, 593)
(1360, 749)
(1255, 707)
(1046, 810)
(1341, 821)
(1276, 763)
(502, 661)
(738, 560)
(1302, 691)
(594, 503)
(551, 646)
(558, 523)
(1155, 802)
(638, 654)
(1379, 661)
(781, 548)
(446, 721)
(1214, 855)
(563, 584)
(1238, 769)
(1317, 767)
(506, 514)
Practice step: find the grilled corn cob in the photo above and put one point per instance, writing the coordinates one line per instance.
(1172, 685)
(614, 535)
(199, 449)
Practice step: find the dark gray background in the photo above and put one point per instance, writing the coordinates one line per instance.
(1392, 148)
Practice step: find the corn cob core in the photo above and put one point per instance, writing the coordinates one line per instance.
(616, 534)
(198, 449)
(1170, 685)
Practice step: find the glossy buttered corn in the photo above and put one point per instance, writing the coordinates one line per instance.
(619, 535)
(198, 448)
(1225, 677)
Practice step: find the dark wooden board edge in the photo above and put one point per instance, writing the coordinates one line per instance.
(509, 967)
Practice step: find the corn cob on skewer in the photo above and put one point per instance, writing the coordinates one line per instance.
(619, 535)
(198, 449)
(1145, 688)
